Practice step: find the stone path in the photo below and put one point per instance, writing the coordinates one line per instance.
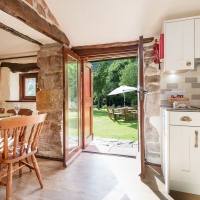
(113, 146)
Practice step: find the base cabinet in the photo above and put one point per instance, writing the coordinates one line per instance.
(184, 158)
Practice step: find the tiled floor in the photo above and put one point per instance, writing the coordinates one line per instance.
(89, 177)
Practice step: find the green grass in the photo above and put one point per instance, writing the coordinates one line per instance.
(104, 127)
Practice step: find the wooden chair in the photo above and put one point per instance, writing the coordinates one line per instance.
(15, 149)
(22, 111)
(110, 112)
(120, 112)
(2, 110)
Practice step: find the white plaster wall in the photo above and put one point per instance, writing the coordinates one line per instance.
(9, 90)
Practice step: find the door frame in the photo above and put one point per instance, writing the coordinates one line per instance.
(68, 158)
(86, 103)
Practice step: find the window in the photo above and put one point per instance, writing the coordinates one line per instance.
(28, 86)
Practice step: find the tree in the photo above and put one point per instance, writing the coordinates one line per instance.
(129, 77)
(122, 72)
(99, 82)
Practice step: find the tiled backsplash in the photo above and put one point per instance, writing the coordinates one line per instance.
(189, 81)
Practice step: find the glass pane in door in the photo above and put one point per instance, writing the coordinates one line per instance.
(73, 125)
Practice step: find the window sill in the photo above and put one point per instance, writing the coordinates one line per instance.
(21, 100)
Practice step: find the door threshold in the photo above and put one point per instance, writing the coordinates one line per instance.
(108, 154)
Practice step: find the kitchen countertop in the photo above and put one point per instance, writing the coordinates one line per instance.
(170, 108)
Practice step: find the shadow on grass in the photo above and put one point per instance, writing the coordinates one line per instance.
(100, 113)
(132, 124)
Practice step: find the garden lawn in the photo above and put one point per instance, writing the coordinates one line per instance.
(104, 127)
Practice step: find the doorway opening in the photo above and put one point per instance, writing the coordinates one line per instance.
(115, 123)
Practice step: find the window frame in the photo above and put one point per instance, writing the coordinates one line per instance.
(22, 85)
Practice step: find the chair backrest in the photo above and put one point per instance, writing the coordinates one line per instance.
(14, 131)
(22, 111)
(2, 110)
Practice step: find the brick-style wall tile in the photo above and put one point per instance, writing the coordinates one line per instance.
(195, 97)
(162, 91)
(195, 85)
(191, 80)
(172, 85)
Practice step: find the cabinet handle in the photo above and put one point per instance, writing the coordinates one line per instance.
(196, 139)
(188, 63)
(186, 119)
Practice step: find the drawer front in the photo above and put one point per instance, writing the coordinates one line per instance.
(184, 118)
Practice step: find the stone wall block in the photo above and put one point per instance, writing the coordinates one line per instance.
(155, 147)
(43, 62)
(149, 53)
(152, 134)
(57, 152)
(153, 155)
(46, 126)
(49, 99)
(153, 88)
(148, 61)
(50, 50)
(147, 48)
(150, 70)
(56, 60)
(56, 127)
(152, 79)
(57, 115)
(50, 81)
(152, 105)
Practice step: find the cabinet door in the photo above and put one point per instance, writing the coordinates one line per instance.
(197, 38)
(179, 156)
(194, 178)
(184, 157)
(179, 45)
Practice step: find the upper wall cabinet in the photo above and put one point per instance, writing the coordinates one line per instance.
(179, 46)
(197, 38)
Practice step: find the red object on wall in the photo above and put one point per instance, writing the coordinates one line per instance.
(156, 52)
(162, 46)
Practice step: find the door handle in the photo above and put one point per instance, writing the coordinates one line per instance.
(196, 139)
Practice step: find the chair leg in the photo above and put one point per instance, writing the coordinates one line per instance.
(37, 171)
(9, 182)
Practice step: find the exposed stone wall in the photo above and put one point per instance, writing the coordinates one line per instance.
(50, 100)
(152, 109)
(42, 8)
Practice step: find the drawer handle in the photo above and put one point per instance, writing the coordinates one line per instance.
(186, 119)
(196, 139)
(188, 63)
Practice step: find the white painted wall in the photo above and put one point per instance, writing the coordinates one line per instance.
(9, 90)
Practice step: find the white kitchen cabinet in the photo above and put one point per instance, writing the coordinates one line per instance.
(197, 38)
(184, 153)
(179, 46)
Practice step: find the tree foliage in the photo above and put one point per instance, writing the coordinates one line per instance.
(109, 76)
(99, 82)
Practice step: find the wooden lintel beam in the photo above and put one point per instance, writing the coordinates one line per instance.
(23, 12)
(17, 33)
(108, 57)
(112, 54)
(110, 45)
(17, 67)
(96, 51)
(109, 49)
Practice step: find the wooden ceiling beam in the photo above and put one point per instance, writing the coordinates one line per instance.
(97, 51)
(100, 50)
(18, 67)
(112, 57)
(18, 34)
(23, 12)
